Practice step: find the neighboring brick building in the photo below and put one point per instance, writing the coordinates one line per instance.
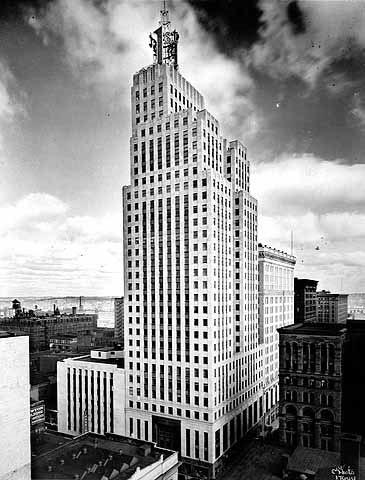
(331, 307)
(305, 300)
(310, 384)
(41, 329)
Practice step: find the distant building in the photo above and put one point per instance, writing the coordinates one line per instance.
(276, 309)
(305, 300)
(331, 307)
(14, 408)
(41, 329)
(63, 343)
(119, 319)
(356, 313)
(104, 457)
(91, 393)
(310, 384)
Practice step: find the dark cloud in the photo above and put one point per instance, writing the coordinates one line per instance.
(11, 10)
(232, 23)
(295, 17)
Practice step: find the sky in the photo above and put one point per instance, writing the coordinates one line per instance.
(284, 77)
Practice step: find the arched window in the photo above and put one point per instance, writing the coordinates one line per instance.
(326, 428)
(308, 413)
(291, 425)
(327, 415)
(308, 424)
(291, 410)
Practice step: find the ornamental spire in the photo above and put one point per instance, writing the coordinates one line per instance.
(163, 41)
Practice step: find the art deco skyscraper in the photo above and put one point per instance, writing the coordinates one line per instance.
(193, 359)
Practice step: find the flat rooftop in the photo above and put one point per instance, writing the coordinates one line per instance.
(94, 457)
(4, 334)
(314, 328)
(66, 336)
(310, 460)
(111, 361)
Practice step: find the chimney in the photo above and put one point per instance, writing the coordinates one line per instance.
(350, 452)
(54, 308)
(73, 310)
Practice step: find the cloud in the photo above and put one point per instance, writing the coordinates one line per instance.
(309, 184)
(11, 106)
(331, 31)
(323, 204)
(358, 111)
(105, 43)
(46, 250)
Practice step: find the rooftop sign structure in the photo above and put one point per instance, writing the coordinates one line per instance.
(163, 41)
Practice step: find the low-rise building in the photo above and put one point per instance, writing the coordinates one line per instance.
(91, 393)
(310, 384)
(331, 307)
(41, 329)
(104, 457)
(63, 343)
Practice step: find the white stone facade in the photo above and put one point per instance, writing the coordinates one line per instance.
(276, 307)
(91, 394)
(14, 408)
(191, 271)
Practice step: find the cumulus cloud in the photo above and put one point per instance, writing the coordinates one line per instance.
(105, 43)
(302, 183)
(331, 30)
(46, 250)
(323, 204)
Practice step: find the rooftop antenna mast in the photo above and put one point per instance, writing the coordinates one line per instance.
(164, 41)
(291, 242)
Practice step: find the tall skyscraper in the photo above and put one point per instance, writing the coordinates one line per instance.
(194, 365)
